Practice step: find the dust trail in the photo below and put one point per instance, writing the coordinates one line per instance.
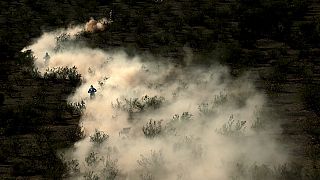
(152, 120)
(94, 25)
(61, 39)
(98, 25)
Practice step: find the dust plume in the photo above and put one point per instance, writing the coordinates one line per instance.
(151, 119)
(94, 25)
(98, 25)
(58, 40)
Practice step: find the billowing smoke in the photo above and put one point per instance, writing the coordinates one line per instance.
(151, 119)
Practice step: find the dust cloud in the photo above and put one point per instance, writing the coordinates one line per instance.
(151, 119)
(94, 25)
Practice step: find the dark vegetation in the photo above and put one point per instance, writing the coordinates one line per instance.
(35, 119)
(152, 129)
(281, 35)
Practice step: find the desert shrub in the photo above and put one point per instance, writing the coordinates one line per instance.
(152, 102)
(152, 129)
(92, 159)
(64, 73)
(190, 144)
(243, 171)
(99, 137)
(62, 41)
(185, 117)
(76, 134)
(110, 170)
(232, 127)
(90, 175)
(152, 165)
(209, 108)
(72, 166)
(76, 107)
(204, 109)
(146, 176)
(261, 172)
(105, 168)
(220, 99)
(135, 105)
(34, 72)
(258, 124)
(311, 171)
(285, 171)
(177, 122)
